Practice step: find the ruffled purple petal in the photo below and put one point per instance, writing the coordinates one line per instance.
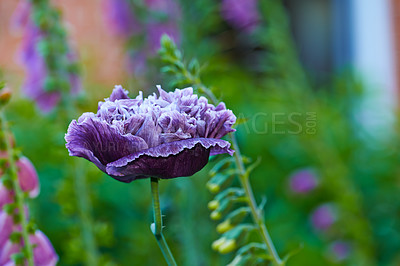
(100, 142)
(169, 160)
(118, 94)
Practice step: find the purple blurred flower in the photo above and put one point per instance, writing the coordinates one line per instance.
(303, 181)
(168, 136)
(340, 250)
(242, 14)
(120, 16)
(323, 217)
(157, 30)
(43, 252)
(34, 63)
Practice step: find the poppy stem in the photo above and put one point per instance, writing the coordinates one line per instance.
(156, 227)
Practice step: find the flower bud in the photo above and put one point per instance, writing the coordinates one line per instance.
(215, 215)
(5, 95)
(233, 219)
(217, 243)
(239, 233)
(223, 208)
(213, 205)
(219, 182)
(28, 177)
(225, 226)
(227, 246)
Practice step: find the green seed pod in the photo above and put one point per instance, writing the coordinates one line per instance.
(223, 208)
(217, 243)
(239, 233)
(233, 219)
(219, 182)
(227, 246)
(213, 205)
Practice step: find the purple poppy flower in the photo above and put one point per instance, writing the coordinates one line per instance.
(242, 14)
(120, 16)
(323, 217)
(340, 250)
(303, 181)
(43, 251)
(165, 136)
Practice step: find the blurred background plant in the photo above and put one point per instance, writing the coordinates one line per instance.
(328, 144)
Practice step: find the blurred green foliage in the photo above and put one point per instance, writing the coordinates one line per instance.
(358, 173)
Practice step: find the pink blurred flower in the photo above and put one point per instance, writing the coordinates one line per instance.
(303, 181)
(43, 251)
(28, 181)
(28, 177)
(241, 14)
(6, 228)
(323, 217)
(6, 196)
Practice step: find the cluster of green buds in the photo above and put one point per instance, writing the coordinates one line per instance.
(230, 207)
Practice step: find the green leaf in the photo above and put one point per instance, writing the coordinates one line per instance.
(252, 167)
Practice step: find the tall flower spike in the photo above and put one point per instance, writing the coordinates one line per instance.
(165, 136)
(45, 79)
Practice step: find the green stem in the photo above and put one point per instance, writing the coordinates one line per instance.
(258, 219)
(19, 195)
(156, 227)
(84, 206)
(244, 180)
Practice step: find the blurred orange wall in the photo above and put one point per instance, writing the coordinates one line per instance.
(100, 52)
